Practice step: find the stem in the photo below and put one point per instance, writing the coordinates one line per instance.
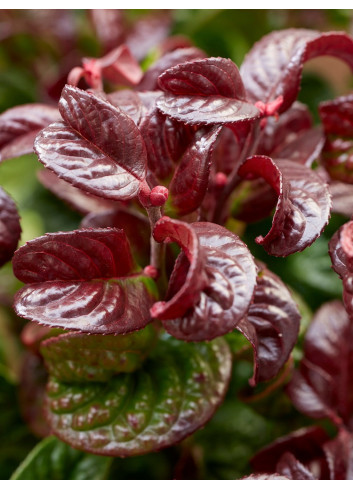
(158, 250)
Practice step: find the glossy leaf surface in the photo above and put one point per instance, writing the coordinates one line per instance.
(129, 102)
(10, 229)
(20, 125)
(226, 295)
(303, 205)
(83, 280)
(97, 148)
(274, 65)
(175, 393)
(271, 325)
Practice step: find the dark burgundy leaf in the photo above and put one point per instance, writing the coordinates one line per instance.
(10, 229)
(291, 468)
(225, 295)
(227, 151)
(135, 225)
(204, 77)
(150, 79)
(192, 278)
(339, 455)
(19, 127)
(190, 181)
(129, 102)
(321, 387)
(98, 148)
(83, 280)
(253, 200)
(79, 200)
(165, 140)
(274, 65)
(304, 149)
(303, 206)
(271, 325)
(337, 119)
(214, 109)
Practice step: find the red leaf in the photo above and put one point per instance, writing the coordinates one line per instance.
(119, 66)
(129, 102)
(339, 455)
(303, 205)
(98, 148)
(291, 468)
(10, 229)
(274, 65)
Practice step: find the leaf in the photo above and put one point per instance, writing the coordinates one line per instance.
(190, 181)
(265, 477)
(271, 325)
(174, 394)
(342, 198)
(97, 148)
(19, 127)
(227, 292)
(119, 66)
(52, 459)
(33, 334)
(273, 67)
(204, 77)
(337, 119)
(10, 229)
(339, 455)
(305, 149)
(78, 357)
(213, 109)
(79, 200)
(321, 387)
(129, 102)
(150, 78)
(83, 280)
(291, 468)
(303, 205)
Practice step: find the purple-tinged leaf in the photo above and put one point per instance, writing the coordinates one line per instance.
(214, 109)
(291, 468)
(10, 229)
(271, 325)
(175, 393)
(342, 198)
(79, 200)
(265, 477)
(78, 357)
(97, 148)
(337, 119)
(150, 79)
(135, 225)
(227, 151)
(119, 66)
(165, 140)
(321, 387)
(129, 102)
(274, 65)
(186, 285)
(19, 127)
(303, 205)
(204, 77)
(83, 280)
(339, 456)
(225, 296)
(304, 149)
(190, 181)
(253, 200)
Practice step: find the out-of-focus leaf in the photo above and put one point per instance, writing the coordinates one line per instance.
(10, 229)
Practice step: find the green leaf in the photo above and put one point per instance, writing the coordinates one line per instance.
(174, 394)
(78, 357)
(52, 459)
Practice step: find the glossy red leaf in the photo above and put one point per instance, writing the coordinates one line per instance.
(339, 456)
(129, 102)
(304, 150)
(321, 387)
(265, 477)
(97, 148)
(190, 181)
(20, 125)
(119, 66)
(337, 119)
(10, 229)
(79, 200)
(291, 468)
(83, 280)
(271, 325)
(274, 65)
(225, 296)
(150, 78)
(303, 205)
(204, 77)
(214, 109)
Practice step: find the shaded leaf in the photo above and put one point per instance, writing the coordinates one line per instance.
(339, 456)
(265, 477)
(303, 205)
(10, 229)
(291, 468)
(129, 102)
(119, 66)
(304, 149)
(175, 393)
(97, 148)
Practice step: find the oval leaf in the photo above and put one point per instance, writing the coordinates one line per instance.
(176, 393)
(83, 280)
(274, 65)
(204, 77)
(303, 205)
(97, 148)
(10, 229)
(226, 295)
